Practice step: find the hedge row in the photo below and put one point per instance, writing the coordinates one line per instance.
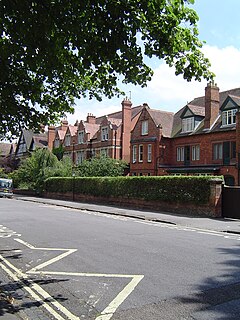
(181, 189)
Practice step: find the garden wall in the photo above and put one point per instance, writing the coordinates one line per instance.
(193, 196)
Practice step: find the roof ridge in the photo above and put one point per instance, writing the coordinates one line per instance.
(170, 112)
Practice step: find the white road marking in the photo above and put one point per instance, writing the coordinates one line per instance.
(108, 312)
(192, 229)
(7, 233)
(18, 276)
(51, 261)
(83, 274)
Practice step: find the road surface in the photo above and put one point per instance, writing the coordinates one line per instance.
(64, 263)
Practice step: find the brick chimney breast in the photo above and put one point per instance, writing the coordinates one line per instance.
(126, 128)
(91, 118)
(51, 136)
(211, 104)
(64, 124)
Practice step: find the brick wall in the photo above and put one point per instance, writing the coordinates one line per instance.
(152, 138)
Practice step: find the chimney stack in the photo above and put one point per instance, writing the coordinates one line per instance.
(126, 128)
(51, 136)
(211, 104)
(64, 124)
(91, 118)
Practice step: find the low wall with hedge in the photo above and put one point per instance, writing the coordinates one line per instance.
(179, 194)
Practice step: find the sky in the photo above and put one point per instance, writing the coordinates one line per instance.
(219, 26)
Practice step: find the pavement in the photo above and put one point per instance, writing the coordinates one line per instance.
(226, 225)
(223, 225)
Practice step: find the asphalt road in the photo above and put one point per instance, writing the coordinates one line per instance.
(69, 264)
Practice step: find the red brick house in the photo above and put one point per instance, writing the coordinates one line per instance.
(147, 138)
(69, 141)
(108, 135)
(202, 138)
(57, 135)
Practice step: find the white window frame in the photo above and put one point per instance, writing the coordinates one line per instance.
(140, 153)
(144, 127)
(80, 137)
(180, 154)
(67, 154)
(104, 133)
(149, 157)
(196, 152)
(68, 140)
(188, 124)
(57, 143)
(229, 117)
(218, 151)
(93, 153)
(104, 152)
(80, 156)
(134, 154)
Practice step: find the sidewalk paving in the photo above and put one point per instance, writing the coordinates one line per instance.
(215, 224)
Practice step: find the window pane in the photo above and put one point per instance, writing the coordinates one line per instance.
(134, 153)
(149, 153)
(144, 127)
(141, 153)
(188, 124)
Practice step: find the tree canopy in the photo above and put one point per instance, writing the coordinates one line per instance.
(54, 51)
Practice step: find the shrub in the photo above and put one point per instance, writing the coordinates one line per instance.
(182, 189)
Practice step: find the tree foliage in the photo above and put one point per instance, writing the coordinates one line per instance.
(101, 167)
(53, 51)
(32, 171)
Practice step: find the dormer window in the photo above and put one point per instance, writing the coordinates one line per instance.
(188, 124)
(104, 133)
(67, 140)
(144, 127)
(80, 137)
(229, 117)
(57, 143)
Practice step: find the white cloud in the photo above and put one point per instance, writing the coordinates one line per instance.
(226, 65)
(167, 91)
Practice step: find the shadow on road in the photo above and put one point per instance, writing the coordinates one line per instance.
(218, 298)
(14, 299)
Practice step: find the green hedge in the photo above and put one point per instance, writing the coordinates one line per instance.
(181, 189)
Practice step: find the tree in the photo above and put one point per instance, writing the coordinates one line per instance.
(31, 173)
(53, 51)
(101, 167)
(59, 151)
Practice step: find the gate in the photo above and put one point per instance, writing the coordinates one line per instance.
(231, 202)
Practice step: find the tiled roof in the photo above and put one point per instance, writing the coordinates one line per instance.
(163, 118)
(235, 99)
(115, 122)
(197, 110)
(40, 141)
(198, 105)
(200, 101)
(118, 115)
(91, 128)
(177, 122)
(61, 134)
(72, 130)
